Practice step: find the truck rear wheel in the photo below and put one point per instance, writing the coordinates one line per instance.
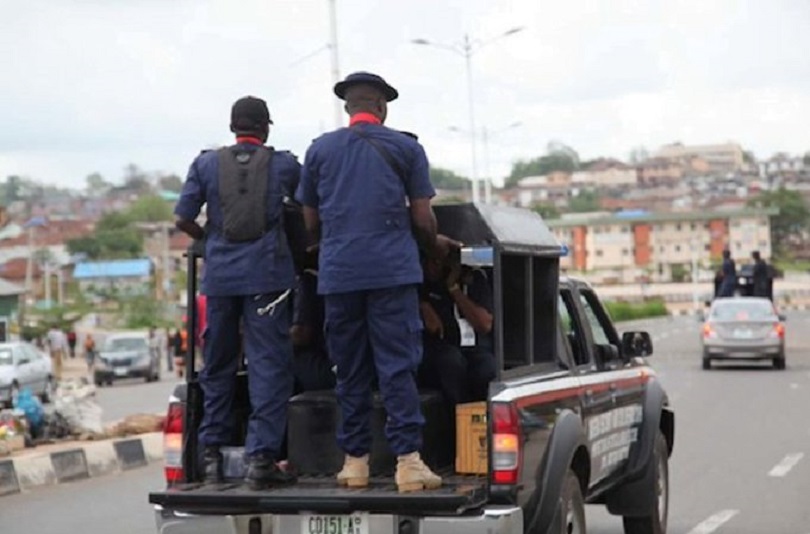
(656, 522)
(572, 512)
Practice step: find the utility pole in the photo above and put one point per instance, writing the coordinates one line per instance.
(467, 49)
(333, 49)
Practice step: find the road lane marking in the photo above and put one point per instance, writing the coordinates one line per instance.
(794, 385)
(714, 522)
(788, 462)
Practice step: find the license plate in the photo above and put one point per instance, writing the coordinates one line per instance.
(335, 524)
(121, 371)
(743, 334)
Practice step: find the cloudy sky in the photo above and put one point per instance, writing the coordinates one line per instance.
(92, 85)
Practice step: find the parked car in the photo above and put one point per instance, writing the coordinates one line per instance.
(743, 328)
(575, 416)
(126, 356)
(23, 365)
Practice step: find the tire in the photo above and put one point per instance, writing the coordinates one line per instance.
(779, 363)
(656, 522)
(47, 393)
(572, 506)
(707, 363)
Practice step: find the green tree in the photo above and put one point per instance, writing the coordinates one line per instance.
(806, 159)
(171, 182)
(149, 208)
(136, 180)
(447, 179)
(96, 182)
(584, 202)
(547, 211)
(115, 238)
(558, 158)
(793, 218)
(749, 158)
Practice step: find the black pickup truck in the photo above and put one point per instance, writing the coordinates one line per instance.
(574, 416)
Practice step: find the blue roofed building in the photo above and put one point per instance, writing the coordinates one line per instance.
(114, 277)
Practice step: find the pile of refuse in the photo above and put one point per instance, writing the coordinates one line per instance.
(74, 415)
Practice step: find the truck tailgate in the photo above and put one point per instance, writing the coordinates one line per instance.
(322, 495)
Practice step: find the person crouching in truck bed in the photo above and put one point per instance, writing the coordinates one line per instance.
(456, 308)
(312, 369)
(248, 277)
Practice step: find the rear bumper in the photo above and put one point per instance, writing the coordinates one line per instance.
(102, 375)
(734, 351)
(491, 520)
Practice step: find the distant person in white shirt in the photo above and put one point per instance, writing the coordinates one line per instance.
(57, 341)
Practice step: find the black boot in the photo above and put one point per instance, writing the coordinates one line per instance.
(212, 465)
(262, 472)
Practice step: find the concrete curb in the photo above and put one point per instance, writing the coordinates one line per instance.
(86, 460)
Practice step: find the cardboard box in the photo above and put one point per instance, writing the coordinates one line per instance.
(471, 438)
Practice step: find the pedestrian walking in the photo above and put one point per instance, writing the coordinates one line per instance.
(90, 351)
(728, 284)
(56, 345)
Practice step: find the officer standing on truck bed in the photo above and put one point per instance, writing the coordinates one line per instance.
(366, 195)
(248, 276)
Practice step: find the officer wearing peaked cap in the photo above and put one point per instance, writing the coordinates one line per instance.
(248, 276)
(366, 194)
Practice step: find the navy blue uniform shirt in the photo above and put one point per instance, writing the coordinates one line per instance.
(366, 238)
(477, 289)
(247, 268)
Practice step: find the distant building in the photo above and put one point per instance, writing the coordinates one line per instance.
(660, 171)
(122, 277)
(606, 173)
(781, 163)
(721, 158)
(654, 243)
(553, 188)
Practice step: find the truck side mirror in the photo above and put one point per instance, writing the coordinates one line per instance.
(637, 344)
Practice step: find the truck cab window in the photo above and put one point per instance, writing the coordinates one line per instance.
(604, 336)
(572, 329)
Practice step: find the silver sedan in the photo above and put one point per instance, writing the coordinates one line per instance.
(743, 328)
(23, 365)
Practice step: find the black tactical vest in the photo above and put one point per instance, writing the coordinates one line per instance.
(243, 182)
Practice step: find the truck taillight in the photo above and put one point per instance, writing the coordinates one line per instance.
(506, 444)
(173, 444)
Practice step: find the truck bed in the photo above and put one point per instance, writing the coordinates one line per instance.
(322, 495)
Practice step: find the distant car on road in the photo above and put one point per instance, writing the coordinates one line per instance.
(743, 328)
(126, 356)
(23, 365)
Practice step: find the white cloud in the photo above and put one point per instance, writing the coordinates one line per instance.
(96, 84)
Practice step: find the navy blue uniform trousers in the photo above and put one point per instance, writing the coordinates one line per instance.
(380, 329)
(268, 350)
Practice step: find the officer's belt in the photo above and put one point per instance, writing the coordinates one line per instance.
(392, 222)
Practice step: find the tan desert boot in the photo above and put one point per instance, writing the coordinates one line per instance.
(414, 475)
(354, 473)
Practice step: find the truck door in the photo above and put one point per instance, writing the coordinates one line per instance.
(596, 397)
(616, 430)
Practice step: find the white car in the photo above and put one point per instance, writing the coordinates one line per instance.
(23, 365)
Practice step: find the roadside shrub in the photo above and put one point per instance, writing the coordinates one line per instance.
(628, 311)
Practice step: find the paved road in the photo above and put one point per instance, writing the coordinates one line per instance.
(741, 462)
(127, 397)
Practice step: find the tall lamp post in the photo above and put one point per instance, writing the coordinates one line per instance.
(466, 49)
(333, 53)
(486, 133)
(488, 177)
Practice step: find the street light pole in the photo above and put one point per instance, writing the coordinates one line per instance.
(466, 49)
(333, 52)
